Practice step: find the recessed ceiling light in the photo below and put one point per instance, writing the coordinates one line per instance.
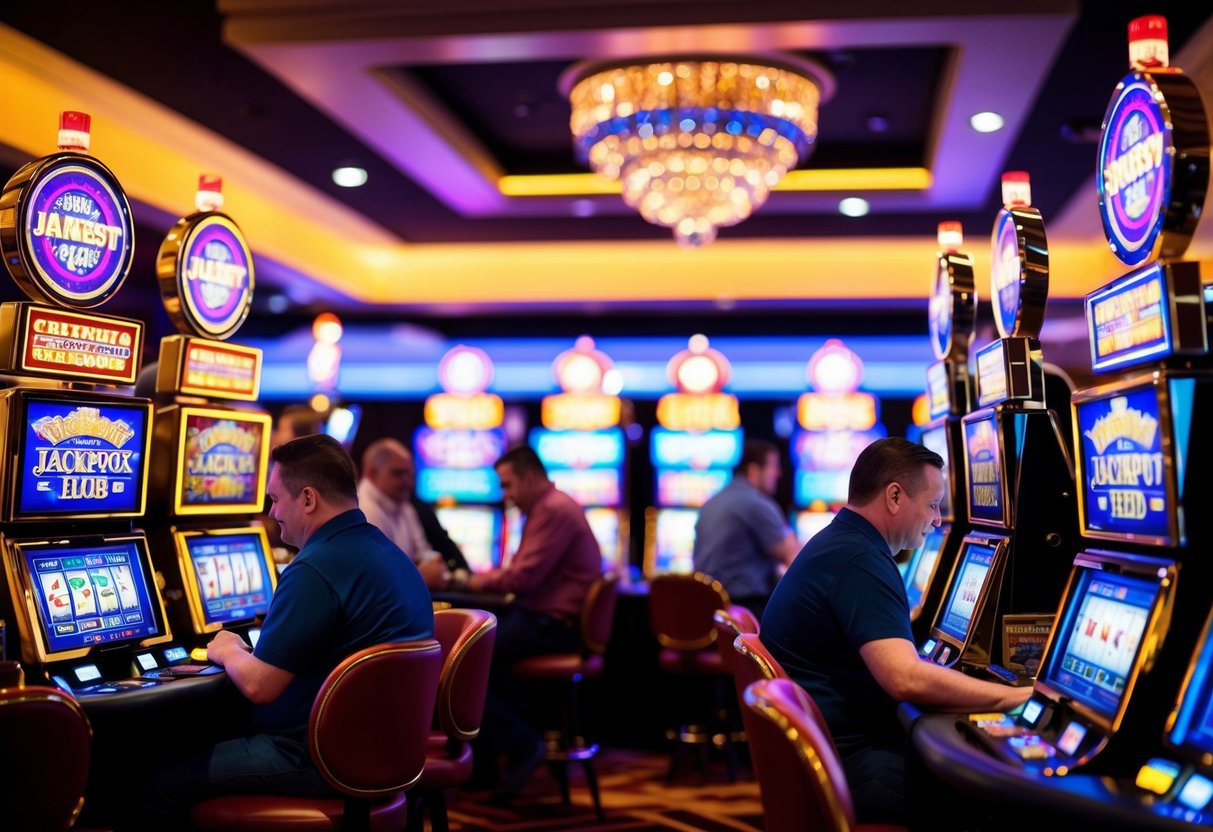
(987, 122)
(853, 206)
(349, 177)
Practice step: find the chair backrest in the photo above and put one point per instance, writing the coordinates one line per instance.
(371, 719)
(467, 638)
(799, 774)
(755, 663)
(681, 607)
(45, 757)
(730, 623)
(598, 614)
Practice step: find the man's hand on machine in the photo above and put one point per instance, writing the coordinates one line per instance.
(222, 646)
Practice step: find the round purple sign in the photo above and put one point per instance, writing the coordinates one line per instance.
(77, 233)
(1006, 274)
(939, 312)
(1134, 174)
(214, 275)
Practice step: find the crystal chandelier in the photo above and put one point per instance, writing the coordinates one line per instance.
(696, 142)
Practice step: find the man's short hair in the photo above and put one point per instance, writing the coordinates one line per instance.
(755, 452)
(889, 460)
(522, 458)
(380, 451)
(318, 461)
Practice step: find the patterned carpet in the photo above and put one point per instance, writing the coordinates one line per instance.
(635, 796)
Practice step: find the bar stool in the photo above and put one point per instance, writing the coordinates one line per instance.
(568, 745)
(681, 609)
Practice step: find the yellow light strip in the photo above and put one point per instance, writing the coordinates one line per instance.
(830, 179)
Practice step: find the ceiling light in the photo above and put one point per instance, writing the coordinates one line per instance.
(986, 122)
(349, 177)
(853, 206)
(696, 143)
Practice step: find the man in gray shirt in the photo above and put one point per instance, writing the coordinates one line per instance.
(741, 535)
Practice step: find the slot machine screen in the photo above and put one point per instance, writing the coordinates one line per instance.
(675, 544)
(80, 458)
(922, 566)
(983, 460)
(222, 461)
(972, 571)
(1126, 475)
(229, 575)
(604, 523)
(1100, 631)
(342, 423)
(1192, 730)
(476, 530)
(90, 595)
(809, 523)
(936, 439)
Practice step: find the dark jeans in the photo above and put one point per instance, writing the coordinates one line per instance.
(506, 728)
(876, 774)
(260, 764)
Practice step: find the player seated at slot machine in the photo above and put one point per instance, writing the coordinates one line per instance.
(349, 588)
(386, 496)
(839, 624)
(294, 421)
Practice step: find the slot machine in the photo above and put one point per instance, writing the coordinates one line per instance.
(1013, 563)
(582, 446)
(952, 315)
(210, 443)
(79, 582)
(836, 421)
(694, 452)
(455, 450)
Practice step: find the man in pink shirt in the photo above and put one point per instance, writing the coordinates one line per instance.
(556, 562)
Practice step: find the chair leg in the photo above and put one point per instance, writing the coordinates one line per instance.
(560, 770)
(438, 819)
(416, 812)
(591, 781)
(356, 816)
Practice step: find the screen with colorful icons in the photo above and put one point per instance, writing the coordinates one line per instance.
(1102, 625)
(91, 595)
(232, 575)
(983, 458)
(80, 458)
(922, 566)
(476, 530)
(224, 461)
(675, 543)
(956, 617)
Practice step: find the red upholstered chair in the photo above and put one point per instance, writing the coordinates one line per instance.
(569, 746)
(801, 778)
(730, 623)
(681, 610)
(367, 736)
(45, 741)
(467, 637)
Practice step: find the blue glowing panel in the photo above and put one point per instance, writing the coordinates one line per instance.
(983, 456)
(232, 573)
(474, 485)
(458, 448)
(1124, 470)
(1101, 630)
(1193, 728)
(1128, 321)
(81, 458)
(922, 566)
(89, 596)
(976, 561)
(709, 449)
(936, 439)
(578, 449)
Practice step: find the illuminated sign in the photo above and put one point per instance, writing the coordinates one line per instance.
(829, 411)
(690, 488)
(1124, 468)
(475, 411)
(75, 237)
(991, 374)
(829, 487)
(698, 411)
(939, 312)
(952, 307)
(63, 344)
(82, 458)
(712, 449)
(205, 270)
(589, 486)
(984, 460)
(580, 411)
(459, 448)
(831, 450)
(1135, 170)
(224, 460)
(466, 485)
(1006, 271)
(936, 440)
(220, 370)
(939, 394)
(578, 449)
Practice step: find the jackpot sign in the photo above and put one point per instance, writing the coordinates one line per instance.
(222, 460)
(206, 275)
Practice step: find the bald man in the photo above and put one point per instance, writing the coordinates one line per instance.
(386, 496)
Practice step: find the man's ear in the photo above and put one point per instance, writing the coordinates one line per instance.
(894, 497)
(310, 498)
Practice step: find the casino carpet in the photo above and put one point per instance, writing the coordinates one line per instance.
(635, 796)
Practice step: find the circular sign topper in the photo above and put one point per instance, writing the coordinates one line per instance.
(1019, 272)
(71, 239)
(205, 270)
(1153, 166)
(952, 307)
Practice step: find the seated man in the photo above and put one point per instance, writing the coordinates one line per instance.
(741, 536)
(839, 623)
(557, 560)
(386, 496)
(349, 588)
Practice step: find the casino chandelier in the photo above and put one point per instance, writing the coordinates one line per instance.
(696, 142)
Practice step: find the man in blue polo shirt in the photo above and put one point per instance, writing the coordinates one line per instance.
(839, 624)
(741, 536)
(348, 588)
